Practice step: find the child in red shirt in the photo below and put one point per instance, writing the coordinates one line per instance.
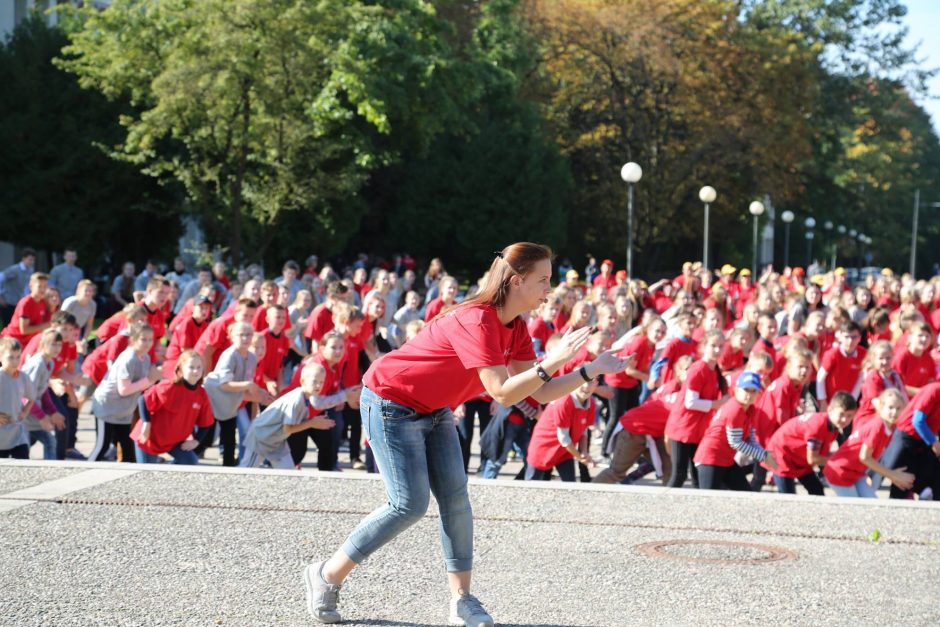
(640, 424)
(841, 366)
(32, 314)
(846, 468)
(915, 444)
(703, 392)
(681, 345)
(216, 338)
(187, 333)
(766, 332)
(168, 413)
(732, 353)
(448, 289)
(555, 438)
(277, 344)
(269, 298)
(543, 327)
(914, 362)
(320, 320)
(732, 432)
(806, 441)
(880, 376)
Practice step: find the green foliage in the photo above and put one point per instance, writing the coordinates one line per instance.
(57, 187)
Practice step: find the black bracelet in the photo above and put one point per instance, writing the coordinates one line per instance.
(539, 370)
(584, 374)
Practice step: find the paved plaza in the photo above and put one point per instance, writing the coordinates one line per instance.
(113, 544)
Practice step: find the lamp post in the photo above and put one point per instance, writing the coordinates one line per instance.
(917, 205)
(631, 173)
(832, 245)
(707, 195)
(810, 224)
(787, 217)
(757, 209)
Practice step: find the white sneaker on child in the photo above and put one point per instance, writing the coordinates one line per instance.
(467, 610)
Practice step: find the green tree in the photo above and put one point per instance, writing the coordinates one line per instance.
(57, 186)
(265, 107)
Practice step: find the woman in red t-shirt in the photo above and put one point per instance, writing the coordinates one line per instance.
(482, 344)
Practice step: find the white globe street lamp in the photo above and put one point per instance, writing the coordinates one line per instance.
(631, 173)
(707, 195)
(756, 209)
(787, 217)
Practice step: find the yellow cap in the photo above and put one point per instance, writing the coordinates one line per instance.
(744, 272)
(728, 269)
(840, 270)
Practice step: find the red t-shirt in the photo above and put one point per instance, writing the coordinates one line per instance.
(764, 346)
(260, 322)
(541, 331)
(185, 336)
(174, 411)
(350, 372)
(438, 368)
(331, 384)
(673, 350)
(790, 442)
(915, 371)
(319, 323)
(580, 358)
(650, 417)
(186, 313)
(157, 321)
(714, 449)
(545, 451)
(643, 349)
(96, 365)
(687, 425)
(927, 401)
(67, 355)
(844, 468)
(275, 350)
(110, 327)
(872, 386)
(34, 311)
(609, 282)
(216, 336)
(731, 358)
(842, 371)
(775, 406)
(433, 308)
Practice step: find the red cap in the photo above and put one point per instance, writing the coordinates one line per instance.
(608, 262)
(799, 272)
(621, 274)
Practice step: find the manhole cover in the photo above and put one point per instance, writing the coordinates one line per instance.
(715, 551)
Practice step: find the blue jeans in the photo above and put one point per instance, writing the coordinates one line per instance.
(860, 488)
(48, 442)
(513, 435)
(416, 454)
(185, 458)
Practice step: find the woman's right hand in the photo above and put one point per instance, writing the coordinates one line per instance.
(144, 432)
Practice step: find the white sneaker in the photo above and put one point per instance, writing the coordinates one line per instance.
(468, 611)
(322, 597)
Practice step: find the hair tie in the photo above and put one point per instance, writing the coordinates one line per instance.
(498, 253)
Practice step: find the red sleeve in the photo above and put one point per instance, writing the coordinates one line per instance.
(259, 322)
(737, 419)
(829, 359)
(872, 386)
(156, 397)
(565, 413)
(696, 380)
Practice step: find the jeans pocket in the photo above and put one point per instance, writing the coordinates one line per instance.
(394, 411)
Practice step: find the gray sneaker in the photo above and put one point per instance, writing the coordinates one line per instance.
(322, 597)
(467, 610)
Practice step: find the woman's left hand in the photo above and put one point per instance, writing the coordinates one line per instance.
(609, 362)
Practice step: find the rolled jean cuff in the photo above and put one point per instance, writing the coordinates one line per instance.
(458, 565)
(353, 553)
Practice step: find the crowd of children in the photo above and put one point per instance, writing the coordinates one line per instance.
(785, 378)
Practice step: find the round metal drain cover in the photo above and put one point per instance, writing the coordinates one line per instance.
(715, 551)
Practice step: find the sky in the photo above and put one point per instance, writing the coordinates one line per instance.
(923, 20)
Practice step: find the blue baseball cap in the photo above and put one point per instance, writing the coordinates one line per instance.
(749, 381)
